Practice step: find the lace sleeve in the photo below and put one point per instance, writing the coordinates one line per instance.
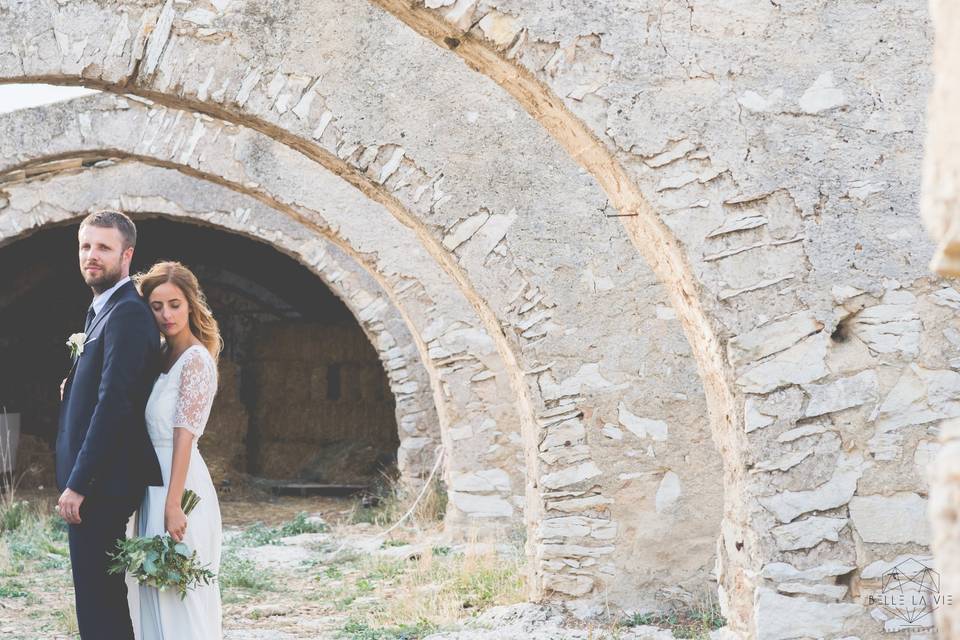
(198, 384)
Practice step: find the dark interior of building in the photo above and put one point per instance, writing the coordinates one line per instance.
(302, 394)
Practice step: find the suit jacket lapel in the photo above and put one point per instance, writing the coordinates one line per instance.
(100, 316)
(107, 307)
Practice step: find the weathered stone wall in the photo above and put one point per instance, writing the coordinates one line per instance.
(780, 144)
(476, 482)
(677, 288)
(131, 187)
(235, 159)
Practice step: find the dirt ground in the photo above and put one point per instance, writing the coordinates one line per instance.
(328, 582)
(318, 568)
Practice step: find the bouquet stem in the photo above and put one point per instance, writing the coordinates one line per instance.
(189, 501)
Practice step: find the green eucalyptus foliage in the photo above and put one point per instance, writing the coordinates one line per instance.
(160, 561)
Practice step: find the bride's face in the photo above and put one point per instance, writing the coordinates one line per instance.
(170, 309)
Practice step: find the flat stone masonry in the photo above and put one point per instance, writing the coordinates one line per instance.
(660, 263)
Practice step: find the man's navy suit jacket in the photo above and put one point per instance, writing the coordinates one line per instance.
(103, 448)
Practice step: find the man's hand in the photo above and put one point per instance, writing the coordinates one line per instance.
(62, 385)
(68, 506)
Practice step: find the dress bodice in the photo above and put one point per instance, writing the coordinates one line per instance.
(183, 396)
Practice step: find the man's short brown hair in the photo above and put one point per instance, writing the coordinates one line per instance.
(109, 219)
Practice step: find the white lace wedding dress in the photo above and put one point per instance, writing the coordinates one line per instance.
(181, 398)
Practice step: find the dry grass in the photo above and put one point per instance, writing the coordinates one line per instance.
(442, 588)
(9, 480)
(409, 587)
(358, 595)
(35, 587)
(67, 620)
(390, 500)
(436, 588)
(6, 561)
(695, 619)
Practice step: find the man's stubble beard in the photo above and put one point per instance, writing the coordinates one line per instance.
(107, 279)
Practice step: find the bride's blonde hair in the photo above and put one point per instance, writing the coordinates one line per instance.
(202, 323)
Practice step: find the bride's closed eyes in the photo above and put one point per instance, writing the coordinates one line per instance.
(158, 306)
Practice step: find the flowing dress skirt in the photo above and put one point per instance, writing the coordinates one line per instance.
(162, 615)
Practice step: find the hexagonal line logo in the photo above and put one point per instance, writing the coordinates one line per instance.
(916, 585)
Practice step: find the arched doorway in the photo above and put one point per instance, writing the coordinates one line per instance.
(303, 394)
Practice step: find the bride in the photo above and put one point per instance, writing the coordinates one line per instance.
(176, 414)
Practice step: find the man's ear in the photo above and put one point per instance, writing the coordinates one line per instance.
(127, 255)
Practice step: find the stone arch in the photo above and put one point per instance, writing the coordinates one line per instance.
(350, 175)
(780, 289)
(132, 186)
(233, 440)
(488, 40)
(487, 45)
(219, 160)
(349, 281)
(291, 107)
(153, 31)
(650, 109)
(651, 116)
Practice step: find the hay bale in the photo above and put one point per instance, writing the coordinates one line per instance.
(283, 460)
(226, 474)
(346, 462)
(36, 464)
(224, 441)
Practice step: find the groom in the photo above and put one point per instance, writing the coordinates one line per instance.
(104, 457)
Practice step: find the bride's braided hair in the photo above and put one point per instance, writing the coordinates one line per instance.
(202, 323)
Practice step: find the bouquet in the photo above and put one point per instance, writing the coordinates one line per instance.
(159, 561)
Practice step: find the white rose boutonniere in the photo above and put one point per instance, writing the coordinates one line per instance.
(75, 342)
